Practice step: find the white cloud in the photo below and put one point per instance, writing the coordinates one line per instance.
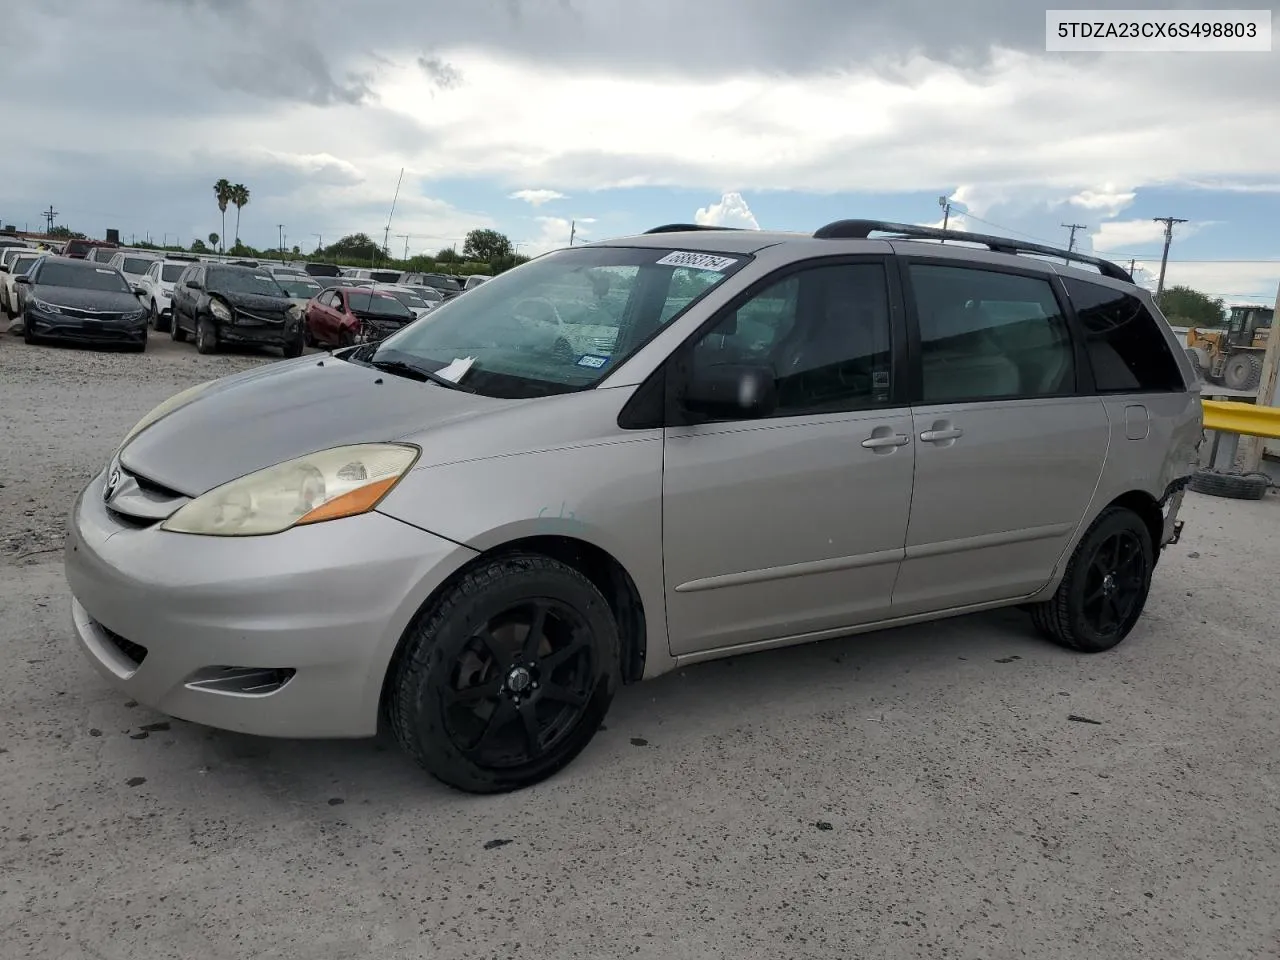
(1108, 200)
(1144, 234)
(1231, 281)
(537, 197)
(731, 211)
(555, 232)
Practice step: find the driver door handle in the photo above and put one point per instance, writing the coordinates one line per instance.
(892, 440)
(937, 436)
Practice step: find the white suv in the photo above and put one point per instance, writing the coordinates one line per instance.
(158, 283)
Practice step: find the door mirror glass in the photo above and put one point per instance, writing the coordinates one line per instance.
(732, 391)
(22, 278)
(193, 284)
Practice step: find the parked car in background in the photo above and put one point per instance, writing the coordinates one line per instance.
(299, 288)
(409, 297)
(377, 276)
(430, 294)
(81, 249)
(343, 316)
(157, 289)
(448, 286)
(14, 262)
(328, 282)
(322, 269)
(224, 303)
(67, 299)
(133, 264)
(473, 281)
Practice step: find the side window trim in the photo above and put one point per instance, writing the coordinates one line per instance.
(898, 396)
(915, 377)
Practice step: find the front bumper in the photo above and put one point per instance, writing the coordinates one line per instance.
(252, 331)
(83, 330)
(158, 614)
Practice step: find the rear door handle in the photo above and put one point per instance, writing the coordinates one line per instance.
(892, 440)
(937, 436)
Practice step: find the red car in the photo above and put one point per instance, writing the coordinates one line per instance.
(342, 316)
(79, 249)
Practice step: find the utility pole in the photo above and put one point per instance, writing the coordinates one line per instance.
(48, 216)
(1168, 239)
(319, 242)
(1249, 450)
(1071, 241)
(405, 238)
(280, 232)
(945, 204)
(573, 230)
(1132, 261)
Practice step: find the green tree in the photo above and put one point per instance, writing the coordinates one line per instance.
(213, 240)
(240, 197)
(197, 246)
(448, 255)
(355, 246)
(222, 193)
(66, 233)
(297, 250)
(1184, 306)
(486, 246)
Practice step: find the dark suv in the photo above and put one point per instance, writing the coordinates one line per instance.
(221, 303)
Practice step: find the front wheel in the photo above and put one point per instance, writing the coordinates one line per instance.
(206, 336)
(507, 678)
(1105, 587)
(294, 346)
(176, 332)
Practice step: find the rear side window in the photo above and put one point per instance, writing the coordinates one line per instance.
(1127, 348)
(986, 335)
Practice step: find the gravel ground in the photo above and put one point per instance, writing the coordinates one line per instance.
(915, 793)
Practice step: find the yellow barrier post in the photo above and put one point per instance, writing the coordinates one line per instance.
(1249, 449)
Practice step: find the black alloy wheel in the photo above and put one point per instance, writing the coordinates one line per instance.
(1105, 587)
(176, 332)
(507, 679)
(206, 336)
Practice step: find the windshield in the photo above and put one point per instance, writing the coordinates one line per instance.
(136, 265)
(20, 265)
(410, 299)
(381, 304)
(300, 287)
(81, 278)
(442, 283)
(244, 281)
(560, 322)
(170, 272)
(429, 294)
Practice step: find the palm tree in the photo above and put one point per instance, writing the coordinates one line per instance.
(222, 190)
(240, 197)
(213, 240)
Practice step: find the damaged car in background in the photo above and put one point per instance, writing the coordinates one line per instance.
(224, 303)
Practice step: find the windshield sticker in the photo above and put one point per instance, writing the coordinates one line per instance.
(698, 261)
(455, 370)
(592, 360)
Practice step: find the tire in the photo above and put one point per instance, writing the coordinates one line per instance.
(176, 332)
(27, 336)
(153, 317)
(1242, 372)
(308, 339)
(438, 729)
(140, 347)
(345, 339)
(206, 336)
(1233, 486)
(294, 347)
(1075, 616)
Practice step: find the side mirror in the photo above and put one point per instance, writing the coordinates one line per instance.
(139, 291)
(731, 391)
(22, 278)
(3, 268)
(193, 284)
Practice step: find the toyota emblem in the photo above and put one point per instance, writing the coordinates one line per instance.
(113, 481)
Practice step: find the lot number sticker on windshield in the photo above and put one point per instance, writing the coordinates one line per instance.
(698, 261)
(592, 361)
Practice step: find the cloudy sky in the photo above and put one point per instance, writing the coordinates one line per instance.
(525, 115)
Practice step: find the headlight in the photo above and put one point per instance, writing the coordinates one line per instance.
(220, 311)
(342, 482)
(170, 405)
(295, 312)
(136, 315)
(44, 306)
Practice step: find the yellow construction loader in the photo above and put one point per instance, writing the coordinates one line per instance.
(1233, 356)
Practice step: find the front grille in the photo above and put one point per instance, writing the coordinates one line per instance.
(150, 486)
(134, 652)
(243, 315)
(107, 316)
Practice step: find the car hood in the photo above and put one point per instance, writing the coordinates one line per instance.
(79, 299)
(259, 418)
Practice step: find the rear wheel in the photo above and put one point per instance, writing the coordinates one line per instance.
(507, 678)
(206, 336)
(1242, 372)
(1105, 587)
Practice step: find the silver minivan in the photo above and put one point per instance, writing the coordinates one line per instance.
(627, 456)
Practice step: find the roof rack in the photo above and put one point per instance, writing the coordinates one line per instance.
(861, 229)
(682, 227)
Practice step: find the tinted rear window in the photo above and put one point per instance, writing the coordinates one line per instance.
(1127, 348)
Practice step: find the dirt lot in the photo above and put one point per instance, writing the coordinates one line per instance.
(916, 793)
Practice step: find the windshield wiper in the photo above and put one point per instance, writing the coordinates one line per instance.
(411, 370)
